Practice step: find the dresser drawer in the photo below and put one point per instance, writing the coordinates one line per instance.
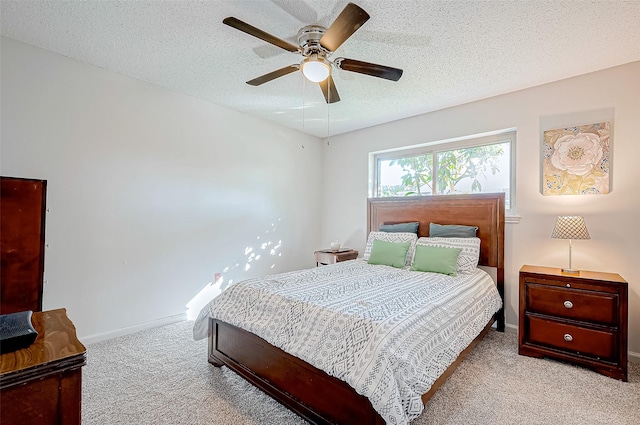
(577, 304)
(594, 343)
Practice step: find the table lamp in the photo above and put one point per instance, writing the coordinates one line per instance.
(570, 227)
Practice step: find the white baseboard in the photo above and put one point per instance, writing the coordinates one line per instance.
(512, 329)
(91, 339)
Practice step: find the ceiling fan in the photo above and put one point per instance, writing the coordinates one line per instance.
(316, 43)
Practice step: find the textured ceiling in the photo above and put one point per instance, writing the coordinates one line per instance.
(452, 52)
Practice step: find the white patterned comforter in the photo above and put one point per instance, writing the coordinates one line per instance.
(387, 332)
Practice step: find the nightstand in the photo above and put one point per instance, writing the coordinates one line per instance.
(327, 256)
(578, 318)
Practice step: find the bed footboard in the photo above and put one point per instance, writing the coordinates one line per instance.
(308, 391)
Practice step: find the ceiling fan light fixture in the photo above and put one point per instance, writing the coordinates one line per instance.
(315, 68)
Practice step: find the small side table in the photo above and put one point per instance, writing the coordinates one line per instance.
(327, 256)
(42, 383)
(581, 318)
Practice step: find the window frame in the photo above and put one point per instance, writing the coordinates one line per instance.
(434, 148)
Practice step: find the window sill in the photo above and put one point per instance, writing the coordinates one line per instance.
(514, 219)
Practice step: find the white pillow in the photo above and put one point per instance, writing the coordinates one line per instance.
(469, 256)
(392, 237)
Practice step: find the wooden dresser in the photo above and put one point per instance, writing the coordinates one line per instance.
(578, 318)
(22, 224)
(42, 384)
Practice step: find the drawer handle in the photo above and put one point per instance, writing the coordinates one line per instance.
(568, 337)
(568, 304)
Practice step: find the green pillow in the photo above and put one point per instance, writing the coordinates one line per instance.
(389, 253)
(436, 259)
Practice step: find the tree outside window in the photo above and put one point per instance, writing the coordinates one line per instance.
(415, 179)
(474, 169)
(469, 165)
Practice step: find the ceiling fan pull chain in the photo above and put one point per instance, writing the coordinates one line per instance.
(329, 115)
(304, 86)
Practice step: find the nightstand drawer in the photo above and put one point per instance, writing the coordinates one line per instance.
(328, 256)
(576, 339)
(577, 304)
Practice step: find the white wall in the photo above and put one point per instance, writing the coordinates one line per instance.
(150, 192)
(612, 219)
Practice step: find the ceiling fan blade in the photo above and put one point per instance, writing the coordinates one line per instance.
(350, 19)
(273, 75)
(256, 32)
(329, 90)
(367, 68)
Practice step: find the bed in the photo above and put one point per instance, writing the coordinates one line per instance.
(315, 394)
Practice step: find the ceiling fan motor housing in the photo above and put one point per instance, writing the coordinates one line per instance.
(309, 41)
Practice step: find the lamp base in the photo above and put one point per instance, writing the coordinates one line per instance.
(571, 271)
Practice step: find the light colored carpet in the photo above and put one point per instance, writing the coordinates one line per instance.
(161, 376)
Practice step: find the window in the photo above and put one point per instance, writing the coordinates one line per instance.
(483, 164)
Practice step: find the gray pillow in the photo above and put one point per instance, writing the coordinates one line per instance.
(451, 231)
(411, 227)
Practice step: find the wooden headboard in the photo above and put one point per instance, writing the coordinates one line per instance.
(486, 211)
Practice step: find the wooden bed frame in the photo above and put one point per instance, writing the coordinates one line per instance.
(312, 393)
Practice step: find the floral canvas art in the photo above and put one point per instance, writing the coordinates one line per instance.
(576, 160)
